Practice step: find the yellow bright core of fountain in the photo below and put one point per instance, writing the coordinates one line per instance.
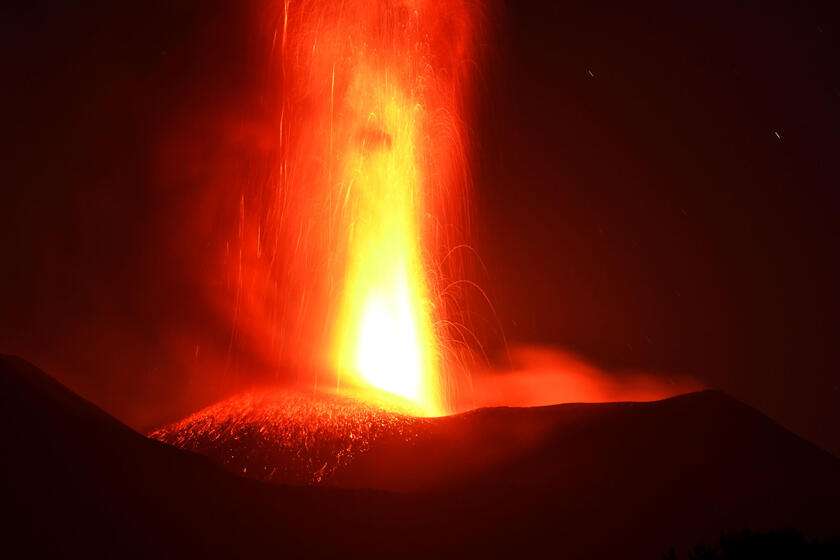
(386, 338)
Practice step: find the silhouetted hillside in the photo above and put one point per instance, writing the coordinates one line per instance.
(77, 481)
(785, 544)
(589, 481)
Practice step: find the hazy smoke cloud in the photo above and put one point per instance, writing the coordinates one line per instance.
(544, 376)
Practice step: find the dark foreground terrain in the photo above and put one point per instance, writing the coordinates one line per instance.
(622, 480)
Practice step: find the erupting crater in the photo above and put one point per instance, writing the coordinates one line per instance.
(289, 437)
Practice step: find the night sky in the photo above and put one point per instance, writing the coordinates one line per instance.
(655, 189)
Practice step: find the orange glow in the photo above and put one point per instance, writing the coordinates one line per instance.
(543, 376)
(351, 267)
(385, 335)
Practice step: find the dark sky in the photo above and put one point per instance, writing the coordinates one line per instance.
(655, 188)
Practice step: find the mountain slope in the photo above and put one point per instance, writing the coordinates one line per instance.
(587, 481)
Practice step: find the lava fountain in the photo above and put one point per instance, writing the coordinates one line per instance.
(385, 335)
(367, 199)
(349, 259)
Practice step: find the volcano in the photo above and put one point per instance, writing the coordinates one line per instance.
(607, 480)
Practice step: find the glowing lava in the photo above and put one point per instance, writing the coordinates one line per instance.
(385, 334)
(371, 187)
(345, 263)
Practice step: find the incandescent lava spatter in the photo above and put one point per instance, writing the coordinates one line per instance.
(288, 437)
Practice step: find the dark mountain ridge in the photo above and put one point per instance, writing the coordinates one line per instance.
(589, 481)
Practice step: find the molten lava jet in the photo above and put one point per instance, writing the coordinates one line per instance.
(385, 334)
(345, 264)
(346, 260)
(348, 252)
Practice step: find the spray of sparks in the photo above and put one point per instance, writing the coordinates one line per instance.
(367, 196)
